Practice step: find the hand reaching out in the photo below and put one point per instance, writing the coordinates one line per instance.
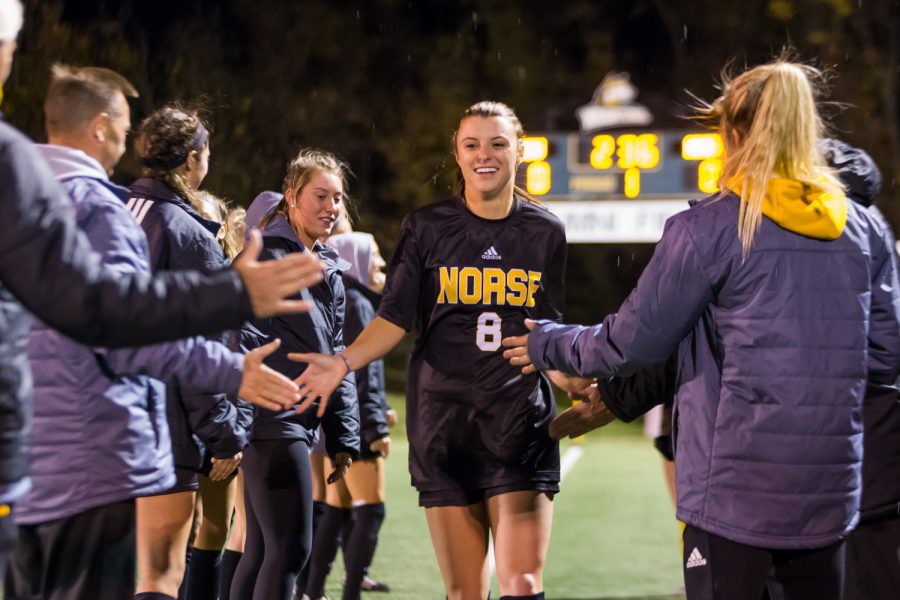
(517, 354)
(264, 386)
(323, 374)
(585, 416)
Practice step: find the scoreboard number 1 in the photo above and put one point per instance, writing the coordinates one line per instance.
(488, 334)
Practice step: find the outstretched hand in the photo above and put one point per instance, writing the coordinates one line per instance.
(342, 462)
(323, 374)
(269, 282)
(585, 416)
(264, 386)
(517, 353)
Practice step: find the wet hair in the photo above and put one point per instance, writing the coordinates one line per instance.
(771, 127)
(307, 163)
(217, 209)
(78, 94)
(10, 19)
(165, 141)
(492, 108)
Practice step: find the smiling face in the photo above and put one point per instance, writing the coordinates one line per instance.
(315, 208)
(487, 152)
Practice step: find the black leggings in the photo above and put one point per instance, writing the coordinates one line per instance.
(278, 498)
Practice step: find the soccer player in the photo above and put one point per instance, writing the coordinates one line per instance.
(208, 431)
(277, 481)
(467, 270)
(776, 329)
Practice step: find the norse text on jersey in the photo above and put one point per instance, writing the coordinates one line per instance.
(488, 285)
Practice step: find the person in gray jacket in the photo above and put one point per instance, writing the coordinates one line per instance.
(777, 330)
(47, 268)
(77, 524)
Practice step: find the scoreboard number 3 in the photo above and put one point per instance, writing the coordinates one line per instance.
(488, 334)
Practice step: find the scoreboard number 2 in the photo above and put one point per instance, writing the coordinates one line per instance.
(488, 334)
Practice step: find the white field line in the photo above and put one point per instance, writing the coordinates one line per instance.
(568, 462)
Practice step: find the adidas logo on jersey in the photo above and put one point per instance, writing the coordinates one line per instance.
(695, 559)
(491, 254)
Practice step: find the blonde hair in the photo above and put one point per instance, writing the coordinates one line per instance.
(217, 209)
(307, 163)
(768, 119)
(487, 109)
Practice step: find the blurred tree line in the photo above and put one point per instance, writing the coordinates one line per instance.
(382, 83)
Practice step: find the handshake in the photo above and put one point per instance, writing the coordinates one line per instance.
(590, 413)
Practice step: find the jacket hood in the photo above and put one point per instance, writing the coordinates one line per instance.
(66, 163)
(356, 248)
(278, 226)
(804, 209)
(69, 163)
(856, 169)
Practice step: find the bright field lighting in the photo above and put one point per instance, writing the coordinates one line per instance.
(535, 149)
(537, 178)
(700, 146)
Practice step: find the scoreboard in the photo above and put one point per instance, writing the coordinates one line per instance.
(620, 186)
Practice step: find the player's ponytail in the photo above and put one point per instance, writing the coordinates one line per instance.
(771, 127)
(491, 108)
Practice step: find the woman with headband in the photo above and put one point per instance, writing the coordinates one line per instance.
(207, 434)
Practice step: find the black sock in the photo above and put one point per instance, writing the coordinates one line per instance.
(152, 596)
(230, 560)
(538, 596)
(360, 548)
(202, 579)
(300, 585)
(325, 545)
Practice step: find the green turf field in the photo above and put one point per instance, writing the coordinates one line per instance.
(614, 532)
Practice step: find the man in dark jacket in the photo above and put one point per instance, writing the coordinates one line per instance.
(48, 268)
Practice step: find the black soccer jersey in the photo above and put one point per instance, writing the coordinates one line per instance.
(464, 283)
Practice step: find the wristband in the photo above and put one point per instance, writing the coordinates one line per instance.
(346, 363)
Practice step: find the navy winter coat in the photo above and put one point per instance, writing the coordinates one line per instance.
(48, 268)
(319, 330)
(773, 355)
(203, 425)
(115, 443)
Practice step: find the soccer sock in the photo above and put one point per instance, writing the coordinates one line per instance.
(153, 596)
(538, 596)
(203, 576)
(303, 577)
(230, 560)
(360, 547)
(325, 545)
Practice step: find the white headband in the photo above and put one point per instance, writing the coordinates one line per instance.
(10, 19)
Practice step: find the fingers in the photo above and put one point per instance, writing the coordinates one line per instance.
(530, 324)
(252, 248)
(304, 357)
(515, 341)
(266, 350)
(291, 307)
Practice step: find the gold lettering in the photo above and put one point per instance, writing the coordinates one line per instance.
(449, 292)
(494, 285)
(515, 283)
(470, 285)
(534, 284)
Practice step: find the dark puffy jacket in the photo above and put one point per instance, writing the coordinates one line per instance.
(361, 306)
(203, 425)
(48, 268)
(319, 330)
(115, 444)
(773, 355)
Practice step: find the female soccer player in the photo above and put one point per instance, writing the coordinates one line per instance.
(776, 329)
(173, 146)
(277, 486)
(467, 270)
